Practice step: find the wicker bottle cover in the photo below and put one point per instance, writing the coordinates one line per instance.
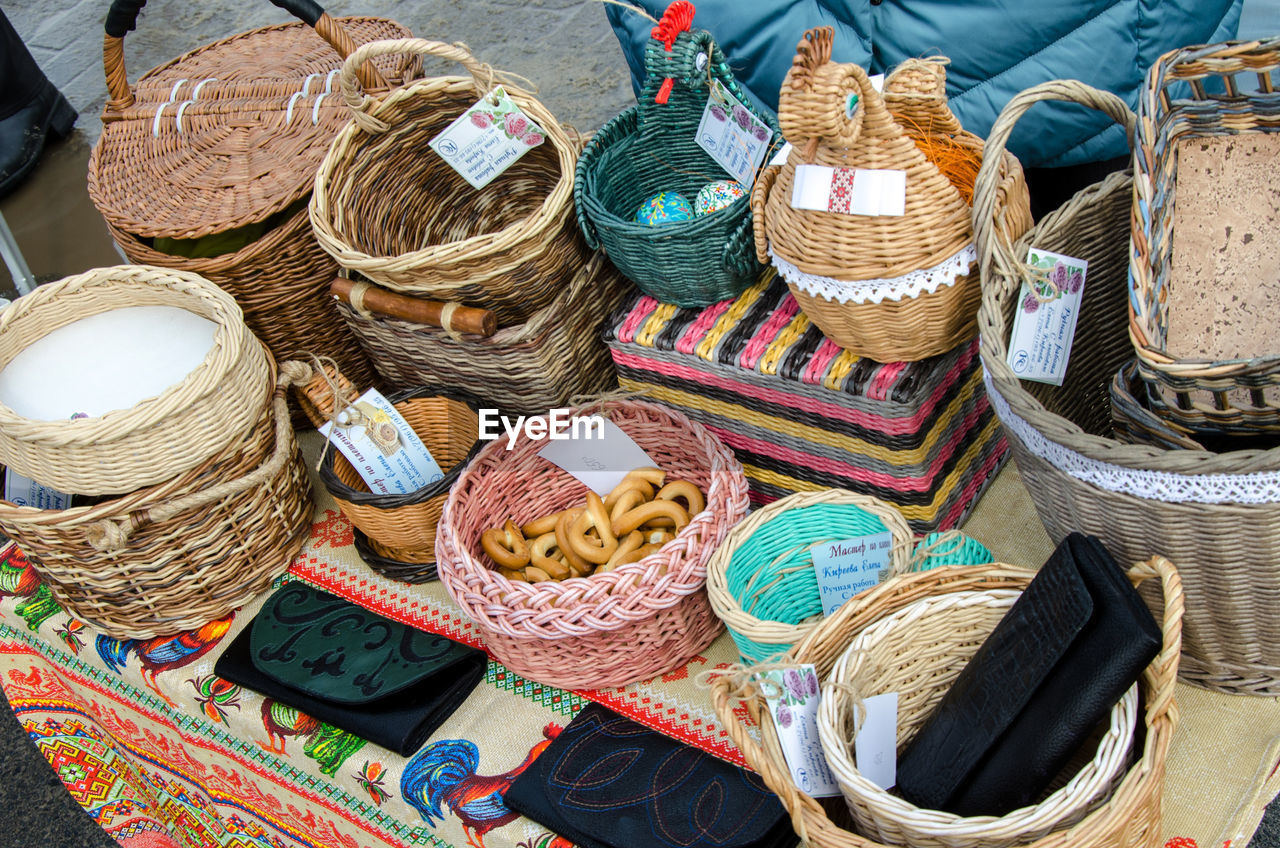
(843, 269)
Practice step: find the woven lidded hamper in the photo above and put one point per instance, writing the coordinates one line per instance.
(888, 287)
(803, 414)
(1128, 817)
(651, 148)
(1195, 94)
(205, 164)
(629, 624)
(160, 437)
(399, 528)
(1216, 514)
(525, 368)
(388, 207)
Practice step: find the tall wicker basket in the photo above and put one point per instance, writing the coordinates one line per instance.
(204, 165)
(1216, 514)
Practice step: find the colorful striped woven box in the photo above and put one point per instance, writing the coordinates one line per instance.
(801, 413)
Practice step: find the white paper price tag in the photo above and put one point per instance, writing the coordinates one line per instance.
(488, 138)
(875, 747)
(23, 491)
(850, 191)
(1040, 344)
(794, 709)
(599, 463)
(780, 158)
(732, 136)
(382, 447)
(849, 566)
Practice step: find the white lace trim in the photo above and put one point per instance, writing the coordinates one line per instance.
(914, 284)
(1262, 487)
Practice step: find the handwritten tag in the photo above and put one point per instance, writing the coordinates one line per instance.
(382, 447)
(599, 463)
(847, 567)
(1040, 343)
(488, 138)
(23, 491)
(794, 709)
(734, 137)
(875, 747)
(850, 191)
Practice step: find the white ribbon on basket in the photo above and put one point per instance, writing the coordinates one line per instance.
(1262, 487)
(913, 284)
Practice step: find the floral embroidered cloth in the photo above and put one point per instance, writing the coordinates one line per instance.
(162, 753)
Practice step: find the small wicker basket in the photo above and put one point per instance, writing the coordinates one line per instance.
(1128, 818)
(1228, 395)
(393, 210)
(629, 624)
(888, 287)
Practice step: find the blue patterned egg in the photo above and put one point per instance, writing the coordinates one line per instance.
(715, 196)
(665, 207)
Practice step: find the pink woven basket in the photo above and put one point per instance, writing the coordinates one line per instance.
(611, 629)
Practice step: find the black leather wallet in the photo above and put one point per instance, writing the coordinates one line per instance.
(1055, 665)
(607, 782)
(342, 664)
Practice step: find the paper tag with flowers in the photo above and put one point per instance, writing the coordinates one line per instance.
(792, 696)
(488, 138)
(734, 137)
(1044, 323)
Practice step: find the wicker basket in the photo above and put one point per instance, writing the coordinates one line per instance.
(526, 369)
(1129, 818)
(889, 288)
(637, 621)
(1175, 107)
(389, 563)
(1134, 423)
(761, 579)
(390, 208)
(160, 437)
(225, 137)
(179, 554)
(1217, 515)
(918, 652)
(651, 148)
(402, 526)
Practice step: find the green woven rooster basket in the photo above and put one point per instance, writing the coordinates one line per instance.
(653, 148)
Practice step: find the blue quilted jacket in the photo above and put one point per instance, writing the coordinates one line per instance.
(997, 48)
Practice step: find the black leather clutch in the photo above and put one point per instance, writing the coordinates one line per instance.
(1056, 664)
(607, 782)
(342, 664)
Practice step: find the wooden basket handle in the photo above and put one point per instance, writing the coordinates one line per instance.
(122, 18)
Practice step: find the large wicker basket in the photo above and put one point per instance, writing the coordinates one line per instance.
(223, 142)
(390, 208)
(162, 436)
(651, 148)
(527, 368)
(888, 287)
(1237, 395)
(176, 555)
(1217, 515)
(629, 624)
(1128, 818)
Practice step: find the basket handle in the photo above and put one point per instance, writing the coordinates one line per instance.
(759, 196)
(122, 18)
(112, 534)
(995, 245)
(1163, 670)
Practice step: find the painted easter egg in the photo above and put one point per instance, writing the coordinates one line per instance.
(665, 207)
(715, 196)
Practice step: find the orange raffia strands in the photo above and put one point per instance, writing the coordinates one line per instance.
(958, 163)
(677, 19)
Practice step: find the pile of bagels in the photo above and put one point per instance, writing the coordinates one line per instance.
(638, 517)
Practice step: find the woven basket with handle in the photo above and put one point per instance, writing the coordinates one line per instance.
(652, 148)
(888, 287)
(205, 163)
(1129, 817)
(389, 207)
(1216, 514)
(1196, 93)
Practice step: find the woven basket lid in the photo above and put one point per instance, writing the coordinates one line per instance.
(227, 134)
(814, 113)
